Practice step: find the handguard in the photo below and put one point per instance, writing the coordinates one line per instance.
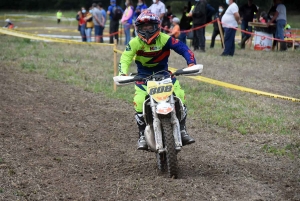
(123, 80)
(190, 71)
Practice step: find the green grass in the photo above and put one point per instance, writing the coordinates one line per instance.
(290, 150)
(69, 13)
(294, 21)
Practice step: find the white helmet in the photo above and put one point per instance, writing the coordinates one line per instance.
(7, 20)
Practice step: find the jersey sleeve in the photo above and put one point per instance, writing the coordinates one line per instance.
(182, 49)
(127, 57)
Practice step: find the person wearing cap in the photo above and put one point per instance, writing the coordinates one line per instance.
(114, 22)
(175, 30)
(9, 24)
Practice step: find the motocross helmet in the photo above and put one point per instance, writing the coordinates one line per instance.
(148, 27)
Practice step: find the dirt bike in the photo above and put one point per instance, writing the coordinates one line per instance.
(162, 112)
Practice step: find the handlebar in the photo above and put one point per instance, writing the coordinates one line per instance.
(193, 70)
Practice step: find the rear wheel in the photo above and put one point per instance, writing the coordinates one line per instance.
(171, 153)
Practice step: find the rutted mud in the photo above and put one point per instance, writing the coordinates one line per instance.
(58, 142)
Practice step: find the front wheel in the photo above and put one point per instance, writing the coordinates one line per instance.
(171, 153)
(161, 161)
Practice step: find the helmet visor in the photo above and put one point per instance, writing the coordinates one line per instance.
(146, 28)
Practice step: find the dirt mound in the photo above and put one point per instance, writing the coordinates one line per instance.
(59, 142)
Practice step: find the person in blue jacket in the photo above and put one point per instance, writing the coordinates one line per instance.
(115, 14)
(141, 6)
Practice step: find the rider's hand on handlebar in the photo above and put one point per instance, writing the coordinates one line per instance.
(122, 74)
(192, 64)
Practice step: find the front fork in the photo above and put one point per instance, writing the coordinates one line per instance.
(157, 127)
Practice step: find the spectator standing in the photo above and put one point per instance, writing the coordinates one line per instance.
(127, 19)
(263, 17)
(81, 23)
(272, 10)
(198, 13)
(115, 14)
(9, 24)
(271, 13)
(175, 30)
(158, 8)
(166, 22)
(98, 21)
(230, 21)
(58, 16)
(210, 11)
(89, 25)
(216, 30)
(247, 12)
(184, 25)
(100, 7)
(280, 17)
(141, 6)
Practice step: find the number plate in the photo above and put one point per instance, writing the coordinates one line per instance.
(158, 91)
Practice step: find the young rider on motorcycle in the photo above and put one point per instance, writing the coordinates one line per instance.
(152, 50)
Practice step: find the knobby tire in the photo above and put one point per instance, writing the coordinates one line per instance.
(171, 153)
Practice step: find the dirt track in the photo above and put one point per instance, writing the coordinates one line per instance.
(59, 142)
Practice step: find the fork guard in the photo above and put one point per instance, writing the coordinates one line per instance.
(154, 136)
(153, 132)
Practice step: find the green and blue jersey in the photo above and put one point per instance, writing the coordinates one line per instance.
(153, 58)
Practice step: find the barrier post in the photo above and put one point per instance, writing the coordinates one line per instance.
(221, 32)
(293, 45)
(115, 63)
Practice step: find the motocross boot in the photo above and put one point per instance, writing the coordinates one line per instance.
(185, 138)
(142, 145)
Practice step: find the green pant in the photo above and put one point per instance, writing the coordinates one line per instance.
(141, 93)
